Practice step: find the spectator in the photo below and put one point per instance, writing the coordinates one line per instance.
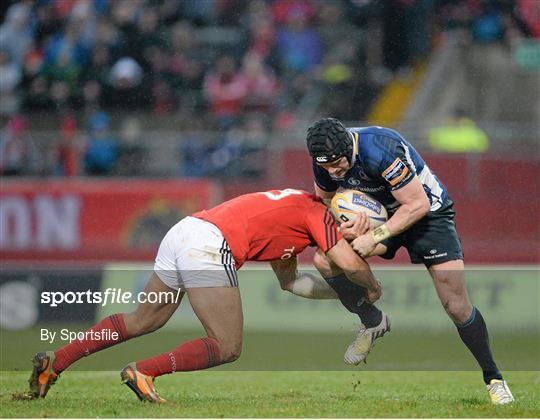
(194, 151)
(224, 159)
(262, 85)
(16, 33)
(253, 146)
(109, 36)
(529, 13)
(298, 45)
(186, 67)
(225, 89)
(143, 37)
(15, 151)
(129, 89)
(94, 78)
(34, 84)
(10, 75)
(162, 93)
(67, 151)
(47, 22)
(68, 47)
(102, 149)
(262, 40)
(460, 135)
(131, 154)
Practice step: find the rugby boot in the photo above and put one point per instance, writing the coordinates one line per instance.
(43, 375)
(364, 341)
(142, 385)
(499, 393)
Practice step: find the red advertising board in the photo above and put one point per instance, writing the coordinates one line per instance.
(94, 220)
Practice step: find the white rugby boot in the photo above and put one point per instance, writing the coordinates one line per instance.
(499, 393)
(364, 341)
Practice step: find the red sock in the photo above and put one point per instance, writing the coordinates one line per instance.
(196, 354)
(112, 326)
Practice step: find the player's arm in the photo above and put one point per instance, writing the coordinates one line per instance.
(323, 230)
(399, 174)
(414, 206)
(352, 229)
(286, 272)
(355, 268)
(302, 284)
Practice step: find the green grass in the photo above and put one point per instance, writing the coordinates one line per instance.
(280, 374)
(277, 394)
(286, 351)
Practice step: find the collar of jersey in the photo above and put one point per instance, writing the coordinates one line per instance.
(355, 146)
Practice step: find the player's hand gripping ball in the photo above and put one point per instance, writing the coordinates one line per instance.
(346, 204)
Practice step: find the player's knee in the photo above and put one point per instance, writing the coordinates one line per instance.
(230, 351)
(458, 309)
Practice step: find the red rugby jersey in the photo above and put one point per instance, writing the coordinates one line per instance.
(275, 224)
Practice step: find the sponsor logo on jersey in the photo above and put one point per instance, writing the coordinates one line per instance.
(433, 256)
(358, 199)
(353, 181)
(287, 253)
(371, 189)
(396, 172)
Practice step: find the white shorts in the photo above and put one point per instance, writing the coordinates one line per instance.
(194, 253)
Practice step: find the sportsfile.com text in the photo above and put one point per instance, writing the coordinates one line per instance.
(110, 295)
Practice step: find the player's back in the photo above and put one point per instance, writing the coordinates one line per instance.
(269, 225)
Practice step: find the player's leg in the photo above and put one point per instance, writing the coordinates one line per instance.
(112, 330)
(375, 322)
(149, 317)
(351, 295)
(449, 280)
(220, 311)
(205, 268)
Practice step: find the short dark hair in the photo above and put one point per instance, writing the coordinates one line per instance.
(328, 140)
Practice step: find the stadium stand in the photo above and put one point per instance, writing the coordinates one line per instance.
(224, 89)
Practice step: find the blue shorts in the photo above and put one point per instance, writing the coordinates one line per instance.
(432, 240)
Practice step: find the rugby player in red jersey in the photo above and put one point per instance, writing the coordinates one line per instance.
(200, 256)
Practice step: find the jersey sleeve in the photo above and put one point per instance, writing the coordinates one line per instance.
(322, 227)
(323, 179)
(395, 167)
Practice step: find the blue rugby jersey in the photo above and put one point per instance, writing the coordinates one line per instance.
(384, 162)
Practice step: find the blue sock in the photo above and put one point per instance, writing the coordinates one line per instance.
(474, 334)
(352, 297)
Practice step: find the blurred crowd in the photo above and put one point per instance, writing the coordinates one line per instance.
(235, 66)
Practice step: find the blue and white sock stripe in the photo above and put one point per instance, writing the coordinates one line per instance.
(227, 260)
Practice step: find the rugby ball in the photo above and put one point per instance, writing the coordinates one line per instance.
(347, 203)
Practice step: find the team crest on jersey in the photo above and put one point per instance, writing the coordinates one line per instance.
(363, 175)
(395, 172)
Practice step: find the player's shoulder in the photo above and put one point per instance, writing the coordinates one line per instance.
(286, 197)
(377, 144)
(375, 133)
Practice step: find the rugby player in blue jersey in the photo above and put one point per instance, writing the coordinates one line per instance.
(381, 163)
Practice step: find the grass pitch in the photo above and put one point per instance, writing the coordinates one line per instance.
(277, 394)
(287, 375)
